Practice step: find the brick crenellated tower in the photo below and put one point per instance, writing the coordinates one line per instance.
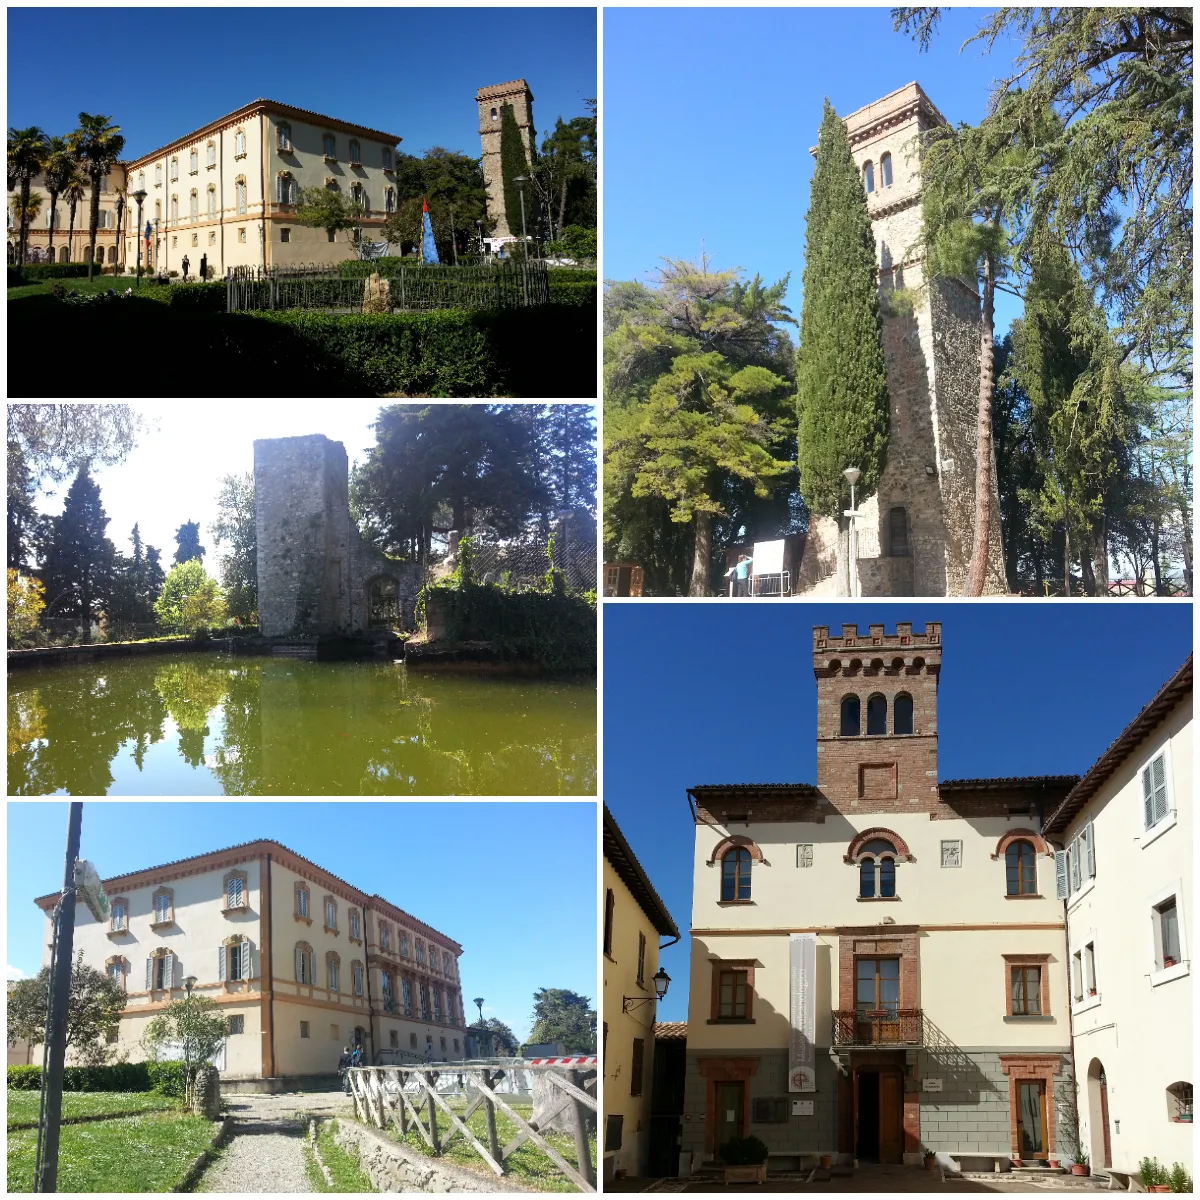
(491, 101)
(877, 717)
(915, 533)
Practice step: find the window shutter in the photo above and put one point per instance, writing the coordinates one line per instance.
(299, 965)
(1060, 874)
(169, 970)
(149, 974)
(1158, 768)
(1076, 867)
(1089, 835)
(1147, 799)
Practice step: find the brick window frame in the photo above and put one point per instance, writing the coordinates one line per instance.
(725, 1070)
(855, 849)
(736, 842)
(900, 941)
(1040, 845)
(1028, 960)
(326, 901)
(118, 930)
(155, 923)
(226, 908)
(118, 960)
(731, 964)
(1019, 1067)
(297, 888)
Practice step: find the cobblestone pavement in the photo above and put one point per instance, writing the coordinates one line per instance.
(264, 1152)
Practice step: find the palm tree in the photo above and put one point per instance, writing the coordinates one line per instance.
(73, 194)
(26, 154)
(97, 145)
(56, 174)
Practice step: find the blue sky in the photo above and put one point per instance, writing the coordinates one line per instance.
(162, 72)
(709, 115)
(1026, 689)
(513, 883)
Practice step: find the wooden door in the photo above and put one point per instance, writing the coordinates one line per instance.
(1031, 1117)
(891, 1117)
(730, 1099)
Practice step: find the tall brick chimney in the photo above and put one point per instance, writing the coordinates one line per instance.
(877, 717)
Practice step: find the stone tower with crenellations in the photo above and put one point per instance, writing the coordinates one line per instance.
(915, 533)
(491, 101)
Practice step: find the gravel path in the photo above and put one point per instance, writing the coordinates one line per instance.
(264, 1153)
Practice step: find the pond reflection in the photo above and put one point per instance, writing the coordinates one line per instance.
(212, 724)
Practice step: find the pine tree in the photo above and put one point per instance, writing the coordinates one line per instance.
(78, 556)
(841, 378)
(573, 438)
(187, 542)
(155, 575)
(512, 163)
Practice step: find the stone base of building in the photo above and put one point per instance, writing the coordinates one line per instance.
(280, 1083)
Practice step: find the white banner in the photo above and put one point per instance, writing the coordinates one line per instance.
(768, 558)
(802, 1051)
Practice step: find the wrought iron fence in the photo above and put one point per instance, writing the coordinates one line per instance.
(404, 288)
(523, 566)
(874, 1027)
(418, 1098)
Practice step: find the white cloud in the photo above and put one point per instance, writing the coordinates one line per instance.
(14, 972)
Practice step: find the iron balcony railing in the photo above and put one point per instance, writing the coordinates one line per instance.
(878, 1027)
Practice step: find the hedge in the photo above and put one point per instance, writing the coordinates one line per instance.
(36, 272)
(164, 1077)
(572, 292)
(198, 297)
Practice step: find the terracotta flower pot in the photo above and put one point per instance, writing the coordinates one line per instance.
(1159, 1187)
(826, 1161)
(1080, 1169)
(1054, 1163)
(930, 1161)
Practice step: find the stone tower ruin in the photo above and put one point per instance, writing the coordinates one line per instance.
(491, 101)
(317, 577)
(915, 533)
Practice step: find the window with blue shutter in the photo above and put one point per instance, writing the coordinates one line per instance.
(1060, 874)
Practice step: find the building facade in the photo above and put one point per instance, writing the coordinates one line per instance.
(71, 243)
(316, 574)
(634, 919)
(1125, 871)
(915, 533)
(301, 963)
(878, 959)
(492, 101)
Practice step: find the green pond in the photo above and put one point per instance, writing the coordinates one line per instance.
(212, 724)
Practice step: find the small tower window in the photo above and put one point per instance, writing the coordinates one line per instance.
(885, 170)
(869, 176)
(493, 114)
(902, 714)
(851, 720)
(876, 716)
(898, 532)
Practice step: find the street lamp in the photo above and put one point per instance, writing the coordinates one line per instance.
(119, 247)
(478, 1002)
(852, 474)
(521, 181)
(139, 196)
(188, 983)
(661, 981)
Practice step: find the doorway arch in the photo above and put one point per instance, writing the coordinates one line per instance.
(1098, 1124)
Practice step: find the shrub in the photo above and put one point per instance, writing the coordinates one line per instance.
(167, 1077)
(198, 297)
(115, 1077)
(575, 241)
(35, 272)
(25, 1079)
(744, 1152)
(572, 292)
(1179, 1180)
(1151, 1173)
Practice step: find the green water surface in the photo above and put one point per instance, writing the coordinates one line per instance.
(218, 724)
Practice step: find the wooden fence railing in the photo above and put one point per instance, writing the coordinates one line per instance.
(409, 1097)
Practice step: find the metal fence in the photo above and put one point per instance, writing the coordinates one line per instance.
(413, 1097)
(522, 566)
(404, 288)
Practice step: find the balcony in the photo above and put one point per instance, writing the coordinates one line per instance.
(878, 1027)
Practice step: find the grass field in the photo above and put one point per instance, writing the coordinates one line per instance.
(23, 1106)
(148, 290)
(150, 1152)
(526, 1165)
(347, 1175)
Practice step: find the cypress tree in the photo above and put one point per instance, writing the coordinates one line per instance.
(841, 380)
(512, 163)
(79, 558)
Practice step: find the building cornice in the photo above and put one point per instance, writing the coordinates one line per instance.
(618, 853)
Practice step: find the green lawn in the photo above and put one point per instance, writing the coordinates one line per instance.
(148, 290)
(148, 1153)
(526, 1165)
(23, 1106)
(343, 1166)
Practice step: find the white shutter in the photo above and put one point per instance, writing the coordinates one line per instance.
(299, 965)
(1089, 836)
(247, 972)
(149, 974)
(169, 971)
(1159, 769)
(1147, 800)
(1076, 867)
(1060, 874)
(221, 964)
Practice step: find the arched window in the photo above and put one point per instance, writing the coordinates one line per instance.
(331, 184)
(304, 963)
(62, 254)
(1020, 864)
(877, 869)
(902, 714)
(356, 977)
(898, 533)
(329, 145)
(241, 193)
(493, 114)
(355, 152)
(868, 176)
(355, 926)
(212, 200)
(1179, 1101)
(194, 204)
(876, 715)
(885, 170)
(851, 717)
(358, 195)
(239, 144)
(333, 970)
(116, 968)
(286, 188)
(174, 208)
(735, 875)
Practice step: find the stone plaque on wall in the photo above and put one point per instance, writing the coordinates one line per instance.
(802, 1070)
(952, 854)
(931, 1085)
(803, 1108)
(804, 855)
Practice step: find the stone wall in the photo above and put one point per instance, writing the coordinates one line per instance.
(492, 99)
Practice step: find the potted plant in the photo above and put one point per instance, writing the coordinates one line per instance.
(1080, 1165)
(745, 1160)
(1168, 961)
(930, 1159)
(826, 1161)
(1153, 1175)
(1053, 1163)
(1179, 1180)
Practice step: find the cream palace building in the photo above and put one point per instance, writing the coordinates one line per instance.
(228, 191)
(301, 963)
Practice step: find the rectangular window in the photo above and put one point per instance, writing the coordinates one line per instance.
(637, 1070)
(437, 1005)
(304, 1029)
(421, 952)
(118, 916)
(330, 905)
(443, 1042)
(731, 994)
(354, 923)
(235, 954)
(394, 1039)
(333, 975)
(404, 945)
(412, 1040)
(1155, 805)
(447, 966)
(641, 974)
(302, 902)
(1167, 920)
(610, 903)
(385, 986)
(406, 996)
(1089, 967)
(769, 1110)
(1026, 991)
(333, 1033)
(424, 1002)
(1077, 975)
(237, 1023)
(357, 972)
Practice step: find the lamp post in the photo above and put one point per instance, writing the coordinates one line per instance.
(119, 245)
(852, 474)
(188, 983)
(521, 181)
(479, 229)
(139, 196)
(453, 236)
(157, 244)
